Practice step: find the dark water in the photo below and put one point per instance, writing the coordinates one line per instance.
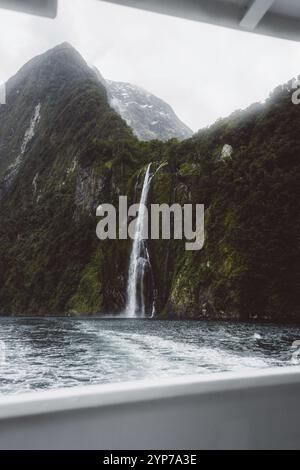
(48, 353)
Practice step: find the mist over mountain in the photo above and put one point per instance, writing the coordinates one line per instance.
(64, 150)
(148, 116)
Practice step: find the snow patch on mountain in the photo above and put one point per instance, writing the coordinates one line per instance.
(148, 116)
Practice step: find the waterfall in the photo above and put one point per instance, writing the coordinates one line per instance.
(139, 261)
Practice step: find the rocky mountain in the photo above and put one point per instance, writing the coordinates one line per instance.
(64, 151)
(56, 123)
(148, 116)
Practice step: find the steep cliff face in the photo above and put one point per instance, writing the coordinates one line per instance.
(249, 267)
(34, 95)
(64, 151)
(58, 136)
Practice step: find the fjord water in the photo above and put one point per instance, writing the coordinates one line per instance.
(50, 353)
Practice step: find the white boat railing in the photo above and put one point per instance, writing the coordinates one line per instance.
(248, 410)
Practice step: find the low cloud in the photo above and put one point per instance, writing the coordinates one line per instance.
(202, 71)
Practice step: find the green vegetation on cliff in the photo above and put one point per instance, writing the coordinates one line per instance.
(245, 170)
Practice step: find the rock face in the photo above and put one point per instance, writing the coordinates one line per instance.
(148, 116)
(57, 122)
(64, 151)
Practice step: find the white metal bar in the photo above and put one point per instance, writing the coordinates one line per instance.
(92, 396)
(255, 13)
(256, 409)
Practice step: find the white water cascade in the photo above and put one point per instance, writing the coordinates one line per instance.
(139, 261)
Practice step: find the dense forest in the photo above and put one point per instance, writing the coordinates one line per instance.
(245, 169)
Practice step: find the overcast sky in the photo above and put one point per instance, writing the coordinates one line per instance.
(202, 71)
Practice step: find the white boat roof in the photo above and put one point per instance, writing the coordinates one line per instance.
(33, 7)
(279, 18)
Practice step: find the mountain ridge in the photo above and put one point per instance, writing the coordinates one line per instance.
(149, 117)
